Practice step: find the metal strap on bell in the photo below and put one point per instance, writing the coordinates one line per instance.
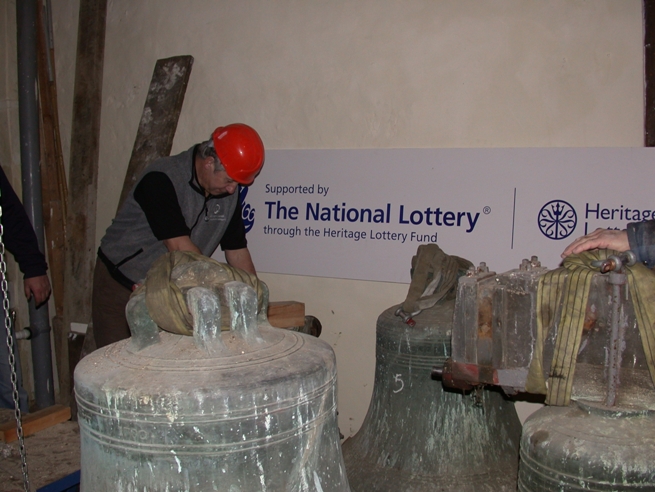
(416, 435)
(248, 409)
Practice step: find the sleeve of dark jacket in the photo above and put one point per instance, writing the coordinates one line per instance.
(641, 236)
(18, 234)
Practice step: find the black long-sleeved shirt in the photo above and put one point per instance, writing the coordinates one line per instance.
(18, 234)
(641, 236)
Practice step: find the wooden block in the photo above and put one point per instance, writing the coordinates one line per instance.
(35, 422)
(286, 314)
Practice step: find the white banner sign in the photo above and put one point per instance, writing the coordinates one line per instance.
(361, 214)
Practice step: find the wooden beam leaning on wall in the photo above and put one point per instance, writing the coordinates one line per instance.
(83, 172)
(53, 179)
(161, 112)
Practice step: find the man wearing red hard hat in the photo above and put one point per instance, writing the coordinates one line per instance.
(185, 202)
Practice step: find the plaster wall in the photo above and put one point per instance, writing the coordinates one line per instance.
(365, 74)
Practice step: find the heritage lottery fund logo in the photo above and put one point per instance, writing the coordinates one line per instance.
(558, 219)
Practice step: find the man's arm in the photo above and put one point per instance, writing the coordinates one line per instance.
(240, 258)
(181, 243)
(641, 237)
(156, 196)
(19, 236)
(234, 244)
(638, 237)
(21, 241)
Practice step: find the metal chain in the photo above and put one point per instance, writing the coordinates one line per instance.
(12, 358)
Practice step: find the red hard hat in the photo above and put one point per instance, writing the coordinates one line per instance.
(240, 150)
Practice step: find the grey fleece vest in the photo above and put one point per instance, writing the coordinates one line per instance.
(129, 242)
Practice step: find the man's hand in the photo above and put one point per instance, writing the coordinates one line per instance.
(181, 243)
(39, 287)
(599, 239)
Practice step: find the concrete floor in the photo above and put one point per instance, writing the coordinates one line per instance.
(52, 454)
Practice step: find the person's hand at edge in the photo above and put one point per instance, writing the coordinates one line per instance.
(599, 239)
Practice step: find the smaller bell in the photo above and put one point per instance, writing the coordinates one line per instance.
(418, 436)
(587, 446)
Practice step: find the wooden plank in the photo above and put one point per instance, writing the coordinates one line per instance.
(63, 360)
(35, 422)
(161, 113)
(53, 176)
(75, 347)
(83, 169)
(649, 72)
(54, 189)
(286, 314)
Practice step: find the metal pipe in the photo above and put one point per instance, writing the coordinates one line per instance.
(617, 279)
(30, 153)
(614, 345)
(24, 334)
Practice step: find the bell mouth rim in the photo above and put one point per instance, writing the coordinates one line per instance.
(598, 408)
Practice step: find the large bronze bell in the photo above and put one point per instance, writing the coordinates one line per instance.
(252, 408)
(418, 436)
